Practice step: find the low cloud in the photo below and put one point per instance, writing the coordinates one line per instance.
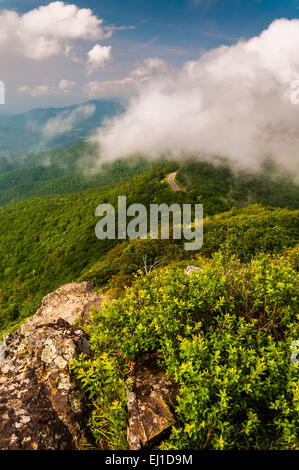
(66, 121)
(128, 86)
(233, 102)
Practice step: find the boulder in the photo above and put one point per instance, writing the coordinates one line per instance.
(71, 302)
(150, 395)
(2, 352)
(41, 405)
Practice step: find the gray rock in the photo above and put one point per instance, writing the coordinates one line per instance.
(2, 353)
(70, 302)
(41, 405)
(191, 270)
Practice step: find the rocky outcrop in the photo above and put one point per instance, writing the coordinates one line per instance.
(150, 395)
(41, 406)
(71, 302)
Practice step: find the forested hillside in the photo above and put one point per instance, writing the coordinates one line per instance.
(220, 187)
(68, 170)
(48, 241)
(78, 167)
(223, 334)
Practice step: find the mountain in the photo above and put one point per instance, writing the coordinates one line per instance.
(15, 142)
(64, 171)
(51, 238)
(48, 128)
(217, 324)
(38, 117)
(219, 187)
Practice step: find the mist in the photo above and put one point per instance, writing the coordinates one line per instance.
(234, 102)
(66, 121)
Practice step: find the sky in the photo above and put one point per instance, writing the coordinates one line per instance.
(61, 53)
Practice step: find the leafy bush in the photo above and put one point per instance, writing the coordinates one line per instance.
(250, 231)
(223, 334)
(104, 381)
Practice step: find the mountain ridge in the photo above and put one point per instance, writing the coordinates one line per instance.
(81, 119)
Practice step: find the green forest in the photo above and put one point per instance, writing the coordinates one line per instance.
(223, 334)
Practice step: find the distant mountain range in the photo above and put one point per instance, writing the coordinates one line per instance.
(50, 128)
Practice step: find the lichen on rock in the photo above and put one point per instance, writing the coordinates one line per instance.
(41, 404)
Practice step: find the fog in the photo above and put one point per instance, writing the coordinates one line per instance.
(66, 121)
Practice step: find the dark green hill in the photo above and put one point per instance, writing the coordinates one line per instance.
(65, 171)
(220, 188)
(49, 241)
(76, 168)
(27, 132)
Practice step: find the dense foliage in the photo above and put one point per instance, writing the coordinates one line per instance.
(243, 232)
(68, 170)
(223, 334)
(49, 241)
(220, 188)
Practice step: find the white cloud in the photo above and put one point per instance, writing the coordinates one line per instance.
(97, 57)
(65, 121)
(48, 30)
(151, 67)
(64, 87)
(233, 102)
(38, 90)
(111, 88)
(129, 85)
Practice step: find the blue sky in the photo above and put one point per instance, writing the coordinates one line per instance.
(183, 23)
(173, 30)
(191, 26)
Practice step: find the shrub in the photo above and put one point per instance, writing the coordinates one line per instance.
(224, 335)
